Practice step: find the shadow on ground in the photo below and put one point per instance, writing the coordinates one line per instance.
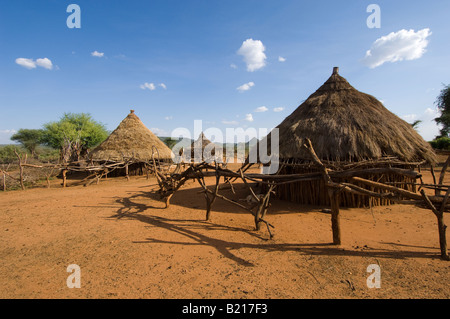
(194, 231)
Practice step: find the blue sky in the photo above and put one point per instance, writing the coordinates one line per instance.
(174, 62)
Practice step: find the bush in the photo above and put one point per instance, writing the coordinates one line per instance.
(7, 154)
(441, 143)
(47, 154)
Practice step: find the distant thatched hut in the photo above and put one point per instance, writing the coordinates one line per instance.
(346, 127)
(198, 148)
(131, 140)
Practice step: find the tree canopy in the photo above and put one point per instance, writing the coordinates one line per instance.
(29, 138)
(74, 134)
(443, 104)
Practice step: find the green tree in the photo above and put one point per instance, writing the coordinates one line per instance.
(170, 142)
(443, 104)
(29, 138)
(74, 134)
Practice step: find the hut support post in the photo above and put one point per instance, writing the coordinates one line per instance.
(262, 210)
(335, 219)
(167, 200)
(64, 173)
(333, 192)
(441, 225)
(126, 172)
(442, 237)
(201, 181)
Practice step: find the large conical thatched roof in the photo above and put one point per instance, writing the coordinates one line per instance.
(131, 139)
(344, 124)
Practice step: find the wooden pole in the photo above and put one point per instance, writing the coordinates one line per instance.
(335, 219)
(442, 175)
(64, 173)
(333, 193)
(434, 177)
(20, 170)
(216, 190)
(441, 225)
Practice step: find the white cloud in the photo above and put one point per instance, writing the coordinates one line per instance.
(397, 46)
(31, 64)
(26, 63)
(97, 54)
(233, 66)
(245, 87)
(152, 86)
(45, 63)
(432, 112)
(253, 53)
(278, 109)
(427, 127)
(281, 59)
(149, 86)
(249, 117)
(230, 122)
(167, 118)
(261, 109)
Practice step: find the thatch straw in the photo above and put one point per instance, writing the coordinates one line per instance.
(200, 144)
(131, 139)
(344, 124)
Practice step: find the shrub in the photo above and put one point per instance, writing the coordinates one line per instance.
(441, 143)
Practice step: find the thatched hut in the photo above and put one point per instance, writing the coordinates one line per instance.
(198, 148)
(346, 127)
(131, 140)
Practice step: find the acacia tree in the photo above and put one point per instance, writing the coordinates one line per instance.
(443, 104)
(74, 134)
(29, 138)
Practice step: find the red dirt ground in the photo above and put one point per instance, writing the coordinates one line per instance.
(128, 246)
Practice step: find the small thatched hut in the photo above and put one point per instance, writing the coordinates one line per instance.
(131, 140)
(346, 127)
(198, 148)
